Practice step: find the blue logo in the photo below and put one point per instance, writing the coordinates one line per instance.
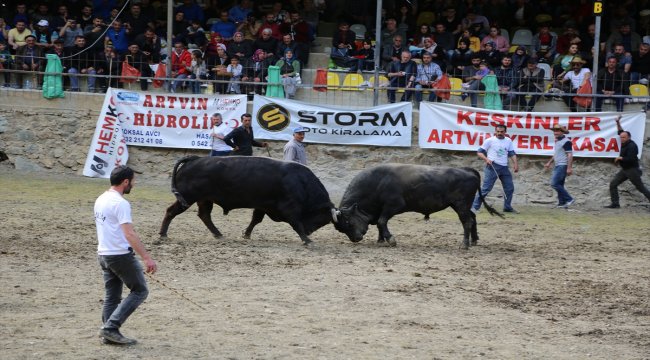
(128, 96)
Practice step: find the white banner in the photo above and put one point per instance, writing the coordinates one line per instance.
(453, 127)
(108, 148)
(385, 125)
(156, 119)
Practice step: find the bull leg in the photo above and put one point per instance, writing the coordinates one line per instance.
(205, 209)
(384, 234)
(298, 228)
(258, 215)
(175, 209)
(474, 229)
(466, 219)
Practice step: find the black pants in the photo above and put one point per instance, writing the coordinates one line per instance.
(634, 175)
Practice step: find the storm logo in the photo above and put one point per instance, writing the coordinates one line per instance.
(273, 117)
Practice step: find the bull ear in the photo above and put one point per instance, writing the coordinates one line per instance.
(335, 213)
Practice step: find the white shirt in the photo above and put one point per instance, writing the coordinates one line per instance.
(576, 79)
(219, 144)
(111, 211)
(497, 149)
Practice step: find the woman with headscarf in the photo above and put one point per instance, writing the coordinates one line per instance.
(289, 73)
(240, 46)
(217, 65)
(256, 70)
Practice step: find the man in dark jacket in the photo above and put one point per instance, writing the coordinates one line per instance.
(140, 61)
(402, 74)
(80, 60)
(241, 139)
(629, 162)
(610, 81)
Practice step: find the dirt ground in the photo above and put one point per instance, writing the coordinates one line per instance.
(543, 284)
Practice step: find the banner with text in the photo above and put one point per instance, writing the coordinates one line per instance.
(453, 127)
(157, 120)
(386, 125)
(108, 147)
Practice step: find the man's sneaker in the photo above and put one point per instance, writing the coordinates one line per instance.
(569, 203)
(115, 336)
(512, 211)
(475, 211)
(612, 206)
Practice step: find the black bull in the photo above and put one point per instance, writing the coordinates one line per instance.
(285, 191)
(375, 195)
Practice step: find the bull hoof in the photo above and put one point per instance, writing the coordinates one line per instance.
(382, 243)
(392, 241)
(217, 235)
(309, 244)
(244, 235)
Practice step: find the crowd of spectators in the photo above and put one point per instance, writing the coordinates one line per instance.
(231, 41)
(239, 40)
(462, 35)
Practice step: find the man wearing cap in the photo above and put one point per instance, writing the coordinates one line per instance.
(294, 150)
(576, 76)
(629, 161)
(563, 157)
(43, 35)
(29, 57)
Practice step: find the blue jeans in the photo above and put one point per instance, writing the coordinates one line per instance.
(473, 97)
(557, 183)
(220, 153)
(178, 81)
(74, 79)
(490, 177)
(418, 94)
(121, 270)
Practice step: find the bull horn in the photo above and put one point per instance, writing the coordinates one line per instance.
(335, 214)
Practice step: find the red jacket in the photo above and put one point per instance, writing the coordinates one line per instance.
(179, 63)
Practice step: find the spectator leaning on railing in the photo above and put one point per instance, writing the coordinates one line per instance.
(29, 57)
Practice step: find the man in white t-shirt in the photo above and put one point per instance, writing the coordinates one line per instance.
(496, 151)
(117, 242)
(576, 77)
(219, 131)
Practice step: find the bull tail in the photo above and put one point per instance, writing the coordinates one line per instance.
(179, 164)
(492, 211)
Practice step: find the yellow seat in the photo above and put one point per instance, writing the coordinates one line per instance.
(352, 82)
(333, 81)
(383, 82)
(426, 18)
(456, 84)
(639, 93)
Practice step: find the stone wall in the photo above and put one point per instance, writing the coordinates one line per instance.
(54, 135)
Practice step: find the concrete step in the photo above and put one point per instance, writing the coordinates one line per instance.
(326, 29)
(321, 44)
(318, 60)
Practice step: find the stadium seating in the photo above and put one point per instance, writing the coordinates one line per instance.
(639, 93)
(333, 81)
(352, 81)
(456, 84)
(547, 70)
(359, 30)
(425, 18)
(522, 37)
